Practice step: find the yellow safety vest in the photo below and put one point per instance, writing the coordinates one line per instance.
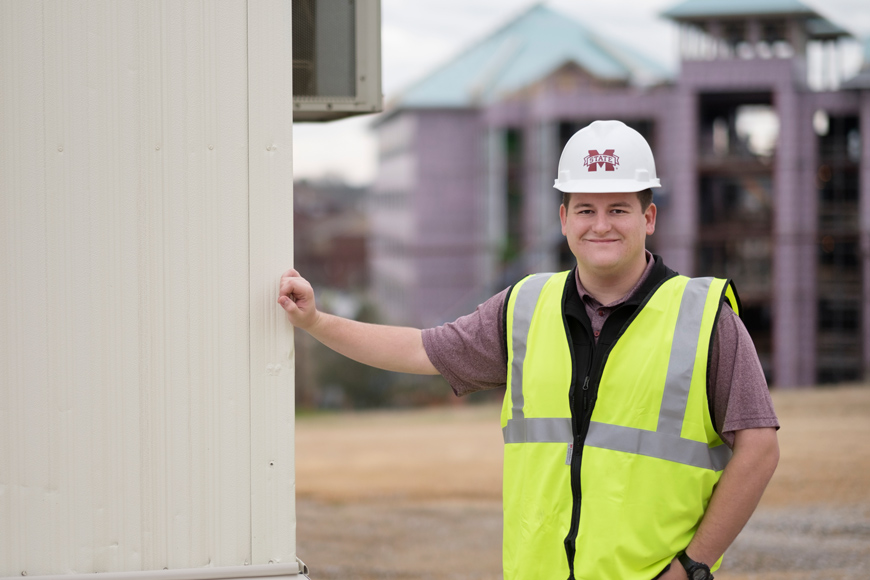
(651, 456)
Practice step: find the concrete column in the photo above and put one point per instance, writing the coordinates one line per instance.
(785, 255)
(677, 230)
(487, 207)
(682, 41)
(753, 35)
(797, 37)
(537, 213)
(793, 289)
(547, 197)
(495, 212)
(832, 65)
(717, 42)
(694, 39)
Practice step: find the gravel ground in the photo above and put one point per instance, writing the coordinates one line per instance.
(416, 495)
(802, 542)
(428, 540)
(416, 540)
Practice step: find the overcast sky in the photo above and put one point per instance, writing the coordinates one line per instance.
(419, 35)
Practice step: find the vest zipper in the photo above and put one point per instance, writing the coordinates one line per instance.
(581, 417)
(585, 393)
(598, 356)
(580, 426)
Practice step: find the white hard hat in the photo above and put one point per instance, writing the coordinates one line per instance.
(606, 157)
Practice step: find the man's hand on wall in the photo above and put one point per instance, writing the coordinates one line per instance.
(296, 297)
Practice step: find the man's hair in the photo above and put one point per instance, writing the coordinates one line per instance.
(645, 197)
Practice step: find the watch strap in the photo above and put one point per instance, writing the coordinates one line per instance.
(695, 570)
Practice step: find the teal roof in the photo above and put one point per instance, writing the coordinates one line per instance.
(817, 26)
(822, 28)
(521, 52)
(693, 9)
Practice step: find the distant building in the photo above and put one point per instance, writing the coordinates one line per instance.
(330, 233)
(464, 205)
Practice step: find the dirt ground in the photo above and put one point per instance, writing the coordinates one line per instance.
(416, 495)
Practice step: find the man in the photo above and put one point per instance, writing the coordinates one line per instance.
(628, 387)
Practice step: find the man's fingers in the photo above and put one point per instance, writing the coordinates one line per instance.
(291, 274)
(288, 277)
(286, 286)
(296, 297)
(288, 305)
(293, 287)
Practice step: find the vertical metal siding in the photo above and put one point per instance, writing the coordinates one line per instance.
(140, 242)
(271, 235)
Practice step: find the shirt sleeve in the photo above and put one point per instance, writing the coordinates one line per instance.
(469, 352)
(736, 384)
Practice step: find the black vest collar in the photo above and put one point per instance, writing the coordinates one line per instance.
(573, 306)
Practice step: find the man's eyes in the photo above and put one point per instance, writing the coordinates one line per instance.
(590, 211)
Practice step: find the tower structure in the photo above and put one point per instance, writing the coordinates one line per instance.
(762, 147)
(776, 214)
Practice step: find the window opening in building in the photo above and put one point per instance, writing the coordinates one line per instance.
(839, 278)
(514, 201)
(738, 126)
(737, 141)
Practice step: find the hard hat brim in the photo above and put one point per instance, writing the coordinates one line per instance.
(605, 185)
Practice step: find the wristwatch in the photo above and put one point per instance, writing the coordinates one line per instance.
(695, 570)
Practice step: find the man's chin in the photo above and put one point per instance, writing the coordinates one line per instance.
(602, 267)
(603, 257)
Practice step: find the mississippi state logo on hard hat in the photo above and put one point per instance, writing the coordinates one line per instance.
(607, 160)
(589, 162)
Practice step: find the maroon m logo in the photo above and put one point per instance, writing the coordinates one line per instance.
(607, 160)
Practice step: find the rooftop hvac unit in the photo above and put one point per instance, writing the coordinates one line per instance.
(336, 59)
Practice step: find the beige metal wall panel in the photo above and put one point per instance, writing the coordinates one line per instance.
(146, 394)
(271, 227)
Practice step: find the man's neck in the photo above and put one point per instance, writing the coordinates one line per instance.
(607, 287)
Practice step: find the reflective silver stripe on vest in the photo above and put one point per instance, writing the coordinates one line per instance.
(538, 431)
(665, 442)
(661, 445)
(683, 352)
(524, 307)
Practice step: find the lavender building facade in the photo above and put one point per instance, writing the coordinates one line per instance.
(464, 205)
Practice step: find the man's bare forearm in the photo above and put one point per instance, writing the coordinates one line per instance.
(393, 348)
(756, 454)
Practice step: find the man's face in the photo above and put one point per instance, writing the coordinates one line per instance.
(607, 231)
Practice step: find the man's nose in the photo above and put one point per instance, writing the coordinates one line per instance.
(602, 222)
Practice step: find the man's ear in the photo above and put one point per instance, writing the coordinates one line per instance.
(650, 217)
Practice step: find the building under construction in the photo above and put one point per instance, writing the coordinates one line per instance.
(763, 150)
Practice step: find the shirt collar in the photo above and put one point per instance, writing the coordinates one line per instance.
(592, 301)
